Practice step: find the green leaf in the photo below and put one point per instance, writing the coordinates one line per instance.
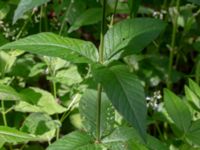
(88, 111)
(1, 144)
(131, 35)
(126, 93)
(38, 100)
(49, 44)
(195, 1)
(41, 125)
(177, 110)
(194, 87)
(89, 17)
(73, 141)
(68, 76)
(11, 135)
(155, 144)
(26, 5)
(8, 93)
(133, 6)
(193, 133)
(192, 97)
(122, 134)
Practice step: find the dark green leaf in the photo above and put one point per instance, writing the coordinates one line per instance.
(126, 93)
(89, 17)
(132, 35)
(133, 6)
(195, 1)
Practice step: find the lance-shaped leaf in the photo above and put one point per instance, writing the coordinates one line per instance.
(177, 110)
(26, 5)
(11, 135)
(131, 35)
(49, 44)
(89, 17)
(126, 93)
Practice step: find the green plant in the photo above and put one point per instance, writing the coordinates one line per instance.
(83, 81)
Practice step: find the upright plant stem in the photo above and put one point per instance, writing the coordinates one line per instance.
(114, 12)
(3, 113)
(99, 88)
(65, 15)
(172, 47)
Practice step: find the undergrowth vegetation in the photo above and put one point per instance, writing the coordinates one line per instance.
(100, 74)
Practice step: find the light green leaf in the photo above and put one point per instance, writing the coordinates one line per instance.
(6, 62)
(192, 97)
(126, 93)
(194, 87)
(11, 135)
(8, 93)
(49, 44)
(4, 9)
(89, 17)
(38, 100)
(177, 110)
(68, 76)
(131, 35)
(193, 133)
(26, 5)
(88, 111)
(73, 141)
(1, 144)
(41, 125)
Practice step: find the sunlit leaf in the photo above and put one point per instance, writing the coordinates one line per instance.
(49, 44)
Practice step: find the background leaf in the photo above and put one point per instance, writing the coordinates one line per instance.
(73, 141)
(26, 5)
(49, 44)
(41, 125)
(11, 135)
(38, 100)
(89, 17)
(126, 93)
(8, 93)
(133, 6)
